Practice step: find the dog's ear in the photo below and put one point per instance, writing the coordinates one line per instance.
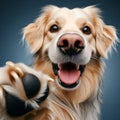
(105, 35)
(105, 38)
(34, 36)
(34, 32)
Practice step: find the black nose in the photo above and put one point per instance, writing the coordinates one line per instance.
(71, 44)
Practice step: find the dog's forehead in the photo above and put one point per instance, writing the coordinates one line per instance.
(69, 13)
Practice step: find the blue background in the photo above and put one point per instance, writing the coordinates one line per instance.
(14, 15)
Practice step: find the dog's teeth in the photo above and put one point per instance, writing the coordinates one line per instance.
(60, 66)
(77, 66)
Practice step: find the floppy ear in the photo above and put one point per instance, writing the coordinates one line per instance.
(105, 35)
(34, 32)
(105, 38)
(34, 36)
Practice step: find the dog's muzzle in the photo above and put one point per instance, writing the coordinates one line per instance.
(68, 72)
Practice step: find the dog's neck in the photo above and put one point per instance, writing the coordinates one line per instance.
(76, 105)
(87, 110)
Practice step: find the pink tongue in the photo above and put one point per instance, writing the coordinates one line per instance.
(69, 77)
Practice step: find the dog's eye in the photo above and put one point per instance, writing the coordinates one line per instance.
(86, 30)
(54, 28)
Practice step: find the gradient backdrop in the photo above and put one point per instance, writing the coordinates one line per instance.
(14, 15)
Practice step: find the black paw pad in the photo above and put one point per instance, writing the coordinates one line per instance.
(31, 85)
(15, 106)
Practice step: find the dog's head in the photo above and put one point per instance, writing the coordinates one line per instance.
(68, 40)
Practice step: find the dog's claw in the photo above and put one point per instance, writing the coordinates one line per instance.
(9, 63)
(22, 88)
(14, 76)
(12, 67)
(51, 80)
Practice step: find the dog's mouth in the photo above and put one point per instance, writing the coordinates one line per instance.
(68, 74)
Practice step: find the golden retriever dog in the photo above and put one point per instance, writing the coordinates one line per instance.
(65, 80)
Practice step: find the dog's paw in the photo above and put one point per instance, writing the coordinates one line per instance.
(24, 88)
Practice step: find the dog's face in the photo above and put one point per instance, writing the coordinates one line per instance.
(70, 32)
(69, 39)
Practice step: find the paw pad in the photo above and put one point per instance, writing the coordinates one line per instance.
(16, 106)
(31, 85)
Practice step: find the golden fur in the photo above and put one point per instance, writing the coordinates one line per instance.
(83, 102)
(101, 41)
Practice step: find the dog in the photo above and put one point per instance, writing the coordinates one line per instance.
(65, 80)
